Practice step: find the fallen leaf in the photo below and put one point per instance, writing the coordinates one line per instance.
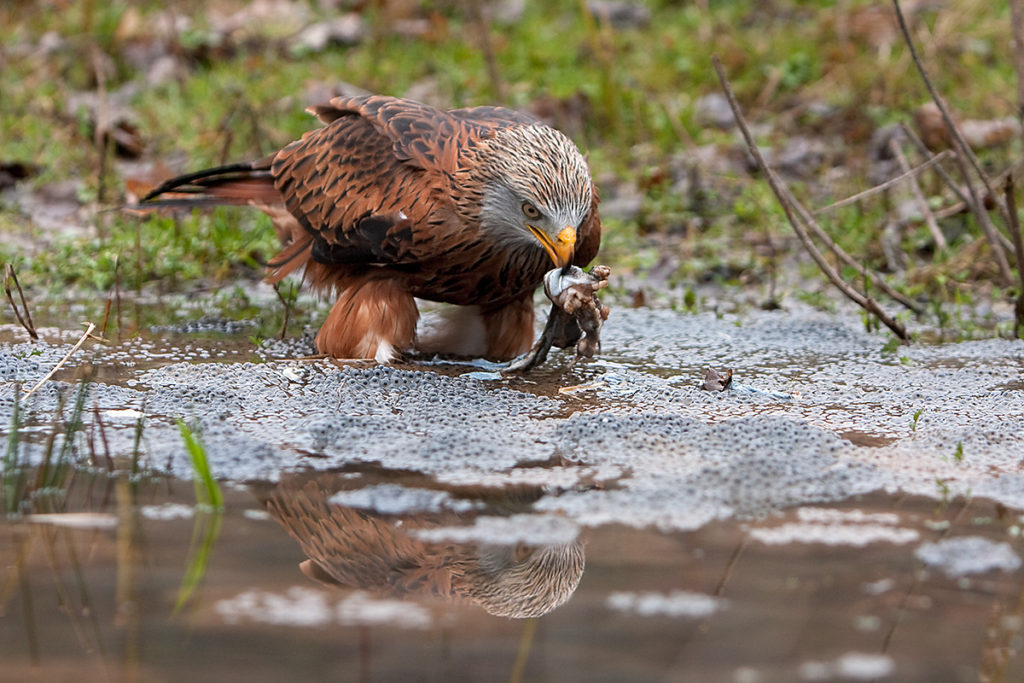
(715, 381)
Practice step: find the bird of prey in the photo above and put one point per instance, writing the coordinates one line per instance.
(393, 200)
(363, 549)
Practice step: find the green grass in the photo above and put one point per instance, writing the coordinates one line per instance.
(636, 91)
(43, 487)
(174, 252)
(210, 505)
(207, 491)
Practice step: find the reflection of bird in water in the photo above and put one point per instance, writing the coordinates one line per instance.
(393, 199)
(362, 549)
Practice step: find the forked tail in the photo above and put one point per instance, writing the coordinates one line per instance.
(245, 183)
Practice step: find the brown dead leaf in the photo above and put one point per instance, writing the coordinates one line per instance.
(979, 133)
(715, 381)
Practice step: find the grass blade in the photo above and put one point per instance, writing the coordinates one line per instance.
(207, 490)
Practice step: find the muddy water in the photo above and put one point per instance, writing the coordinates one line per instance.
(839, 514)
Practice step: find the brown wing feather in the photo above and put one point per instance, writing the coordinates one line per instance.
(353, 548)
(370, 185)
(417, 133)
(491, 117)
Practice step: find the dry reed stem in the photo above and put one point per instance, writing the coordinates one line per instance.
(117, 292)
(103, 436)
(964, 152)
(790, 206)
(65, 359)
(26, 322)
(841, 254)
(106, 315)
(911, 173)
(287, 310)
(922, 203)
(927, 154)
(1018, 246)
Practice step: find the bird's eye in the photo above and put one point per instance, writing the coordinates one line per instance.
(531, 211)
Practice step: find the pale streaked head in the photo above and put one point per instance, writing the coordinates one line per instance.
(537, 188)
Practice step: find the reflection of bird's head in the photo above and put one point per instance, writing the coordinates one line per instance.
(522, 581)
(536, 188)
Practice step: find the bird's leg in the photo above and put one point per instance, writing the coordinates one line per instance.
(558, 320)
(373, 318)
(509, 329)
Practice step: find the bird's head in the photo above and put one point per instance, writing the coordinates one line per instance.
(536, 189)
(522, 581)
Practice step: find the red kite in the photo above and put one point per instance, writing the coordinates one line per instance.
(394, 200)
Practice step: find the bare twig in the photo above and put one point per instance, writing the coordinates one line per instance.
(911, 173)
(964, 152)
(1018, 246)
(788, 203)
(841, 254)
(287, 309)
(65, 359)
(478, 13)
(961, 206)
(954, 130)
(26, 322)
(926, 212)
(927, 154)
(117, 291)
(102, 136)
(1017, 25)
(106, 315)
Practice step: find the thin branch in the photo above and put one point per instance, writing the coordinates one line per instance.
(954, 130)
(848, 260)
(927, 154)
(911, 173)
(287, 309)
(961, 206)
(26, 322)
(788, 203)
(1017, 25)
(478, 15)
(65, 359)
(926, 212)
(1018, 246)
(965, 152)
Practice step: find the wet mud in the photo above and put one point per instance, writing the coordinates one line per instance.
(821, 519)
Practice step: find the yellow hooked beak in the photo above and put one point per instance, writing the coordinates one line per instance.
(562, 248)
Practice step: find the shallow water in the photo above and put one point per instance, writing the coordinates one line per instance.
(735, 536)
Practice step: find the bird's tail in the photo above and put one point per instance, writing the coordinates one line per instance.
(245, 183)
(249, 184)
